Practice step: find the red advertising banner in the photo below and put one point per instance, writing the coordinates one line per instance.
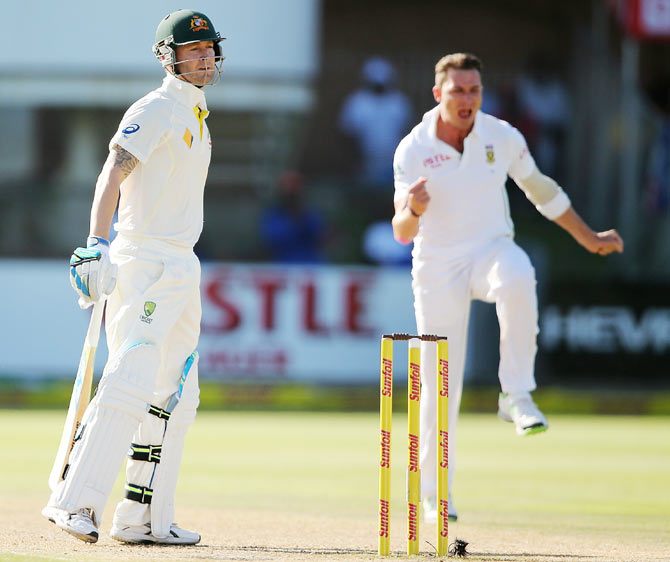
(269, 323)
(300, 323)
(644, 19)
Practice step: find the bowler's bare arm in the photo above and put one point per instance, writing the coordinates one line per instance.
(602, 243)
(117, 168)
(407, 212)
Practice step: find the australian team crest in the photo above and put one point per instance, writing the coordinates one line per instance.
(149, 307)
(199, 24)
(490, 155)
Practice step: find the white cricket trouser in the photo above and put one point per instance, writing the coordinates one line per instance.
(499, 273)
(169, 276)
(153, 325)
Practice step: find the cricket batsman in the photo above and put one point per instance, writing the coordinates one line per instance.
(148, 395)
(450, 198)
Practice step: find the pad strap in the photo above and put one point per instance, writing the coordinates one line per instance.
(140, 494)
(148, 453)
(159, 412)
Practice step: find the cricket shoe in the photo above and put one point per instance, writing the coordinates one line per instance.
(80, 524)
(141, 534)
(520, 409)
(429, 506)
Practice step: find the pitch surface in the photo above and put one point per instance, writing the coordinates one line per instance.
(303, 486)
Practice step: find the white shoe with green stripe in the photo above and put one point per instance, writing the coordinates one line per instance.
(520, 409)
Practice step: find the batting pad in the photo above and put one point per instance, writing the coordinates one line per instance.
(167, 472)
(109, 422)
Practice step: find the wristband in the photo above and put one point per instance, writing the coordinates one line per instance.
(95, 240)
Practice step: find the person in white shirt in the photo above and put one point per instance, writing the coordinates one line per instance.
(376, 116)
(148, 395)
(450, 199)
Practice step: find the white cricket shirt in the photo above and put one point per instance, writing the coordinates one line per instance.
(468, 201)
(162, 198)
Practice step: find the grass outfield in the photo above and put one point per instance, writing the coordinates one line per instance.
(303, 486)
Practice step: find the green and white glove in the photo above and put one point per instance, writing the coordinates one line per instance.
(92, 275)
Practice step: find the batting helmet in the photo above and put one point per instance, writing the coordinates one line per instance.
(183, 27)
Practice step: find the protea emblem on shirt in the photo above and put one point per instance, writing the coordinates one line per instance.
(490, 155)
(149, 308)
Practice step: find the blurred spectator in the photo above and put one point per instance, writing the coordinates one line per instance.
(656, 230)
(292, 232)
(376, 116)
(658, 167)
(500, 100)
(658, 173)
(492, 103)
(544, 107)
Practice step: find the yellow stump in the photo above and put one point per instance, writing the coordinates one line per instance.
(413, 472)
(442, 447)
(385, 411)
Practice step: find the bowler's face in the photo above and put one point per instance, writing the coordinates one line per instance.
(460, 97)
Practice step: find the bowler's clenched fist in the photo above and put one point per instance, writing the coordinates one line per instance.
(606, 243)
(418, 198)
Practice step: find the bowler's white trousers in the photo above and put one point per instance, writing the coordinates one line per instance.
(501, 273)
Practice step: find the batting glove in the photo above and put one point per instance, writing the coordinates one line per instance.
(92, 275)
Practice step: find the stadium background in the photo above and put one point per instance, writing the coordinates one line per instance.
(305, 335)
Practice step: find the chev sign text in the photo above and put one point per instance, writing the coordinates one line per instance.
(606, 329)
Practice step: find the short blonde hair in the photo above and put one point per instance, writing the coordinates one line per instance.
(457, 61)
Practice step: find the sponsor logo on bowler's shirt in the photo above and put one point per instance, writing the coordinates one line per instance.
(436, 160)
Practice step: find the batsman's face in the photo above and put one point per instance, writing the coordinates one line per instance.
(195, 62)
(460, 97)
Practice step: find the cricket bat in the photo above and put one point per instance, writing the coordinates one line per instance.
(81, 395)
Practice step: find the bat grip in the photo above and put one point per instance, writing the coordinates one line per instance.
(93, 332)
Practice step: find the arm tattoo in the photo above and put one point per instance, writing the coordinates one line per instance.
(124, 160)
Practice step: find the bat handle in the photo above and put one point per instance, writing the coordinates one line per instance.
(93, 332)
